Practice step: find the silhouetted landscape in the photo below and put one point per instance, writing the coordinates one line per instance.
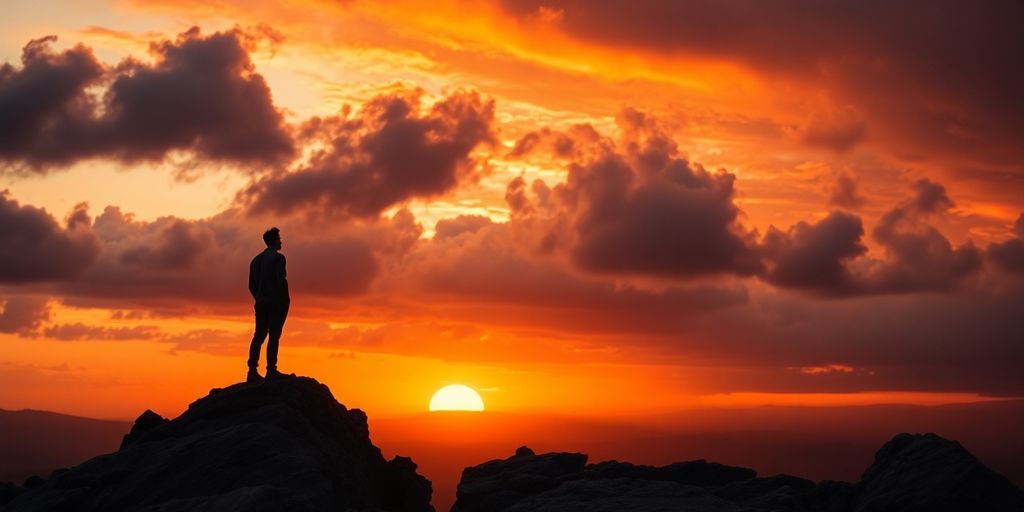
(541, 255)
(289, 445)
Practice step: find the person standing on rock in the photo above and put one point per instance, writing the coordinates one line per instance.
(269, 287)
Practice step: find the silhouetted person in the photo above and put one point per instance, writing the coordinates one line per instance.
(269, 287)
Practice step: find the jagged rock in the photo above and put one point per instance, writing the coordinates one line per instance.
(928, 473)
(33, 481)
(8, 492)
(498, 484)
(261, 446)
(146, 421)
(911, 473)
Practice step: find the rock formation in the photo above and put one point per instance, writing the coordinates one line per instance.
(911, 473)
(281, 445)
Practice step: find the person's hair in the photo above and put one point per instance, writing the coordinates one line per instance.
(272, 235)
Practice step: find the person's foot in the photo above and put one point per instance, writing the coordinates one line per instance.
(272, 373)
(253, 376)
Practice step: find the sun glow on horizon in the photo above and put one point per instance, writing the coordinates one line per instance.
(456, 397)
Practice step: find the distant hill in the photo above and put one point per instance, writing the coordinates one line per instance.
(34, 443)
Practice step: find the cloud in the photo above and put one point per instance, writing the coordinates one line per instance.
(919, 257)
(814, 257)
(78, 331)
(448, 228)
(24, 315)
(837, 135)
(174, 265)
(638, 208)
(1009, 255)
(44, 104)
(210, 341)
(200, 95)
(828, 258)
(390, 151)
(880, 58)
(560, 144)
(180, 245)
(494, 274)
(965, 341)
(34, 247)
(844, 193)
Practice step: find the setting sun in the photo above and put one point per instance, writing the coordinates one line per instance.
(456, 397)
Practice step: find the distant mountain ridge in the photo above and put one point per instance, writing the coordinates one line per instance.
(37, 442)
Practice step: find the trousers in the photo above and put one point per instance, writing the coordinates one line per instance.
(270, 317)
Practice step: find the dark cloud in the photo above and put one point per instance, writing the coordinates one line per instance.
(1009, 255)
(390, 151)
(560, 144)
(447, 228)
(966, 341)
(814, 257)
(918, 256)
(44, 105)
(837, 136)
(180, 246)
(78, 332)
(929, 197)
(33, 247)
(828, 258)
(491, 274)
(210, 341)
(172, 265)
(963, 341)
(844, 193)
(201, 94)
(641, 209)
(948, 83)
(23, 315)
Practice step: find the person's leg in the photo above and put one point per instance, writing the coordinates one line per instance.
(277, 318)
(259, 334)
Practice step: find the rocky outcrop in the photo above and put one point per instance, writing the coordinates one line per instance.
(911, 473)
(263, 446)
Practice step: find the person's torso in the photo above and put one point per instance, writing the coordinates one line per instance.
(269, 285)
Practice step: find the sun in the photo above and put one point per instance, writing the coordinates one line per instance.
(456, 397)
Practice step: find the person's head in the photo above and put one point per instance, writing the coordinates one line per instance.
(272, 237)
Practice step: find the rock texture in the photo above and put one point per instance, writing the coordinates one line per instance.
(911, 473)
(262, 446)
(941, 474)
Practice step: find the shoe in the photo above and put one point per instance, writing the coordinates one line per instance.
(272, 374)
(253, 376)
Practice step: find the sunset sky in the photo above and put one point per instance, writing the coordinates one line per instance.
(581, 208)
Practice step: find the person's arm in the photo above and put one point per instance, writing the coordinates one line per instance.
(281, 275)
(253, 278)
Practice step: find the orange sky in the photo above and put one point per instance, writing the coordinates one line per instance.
(595, 217)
